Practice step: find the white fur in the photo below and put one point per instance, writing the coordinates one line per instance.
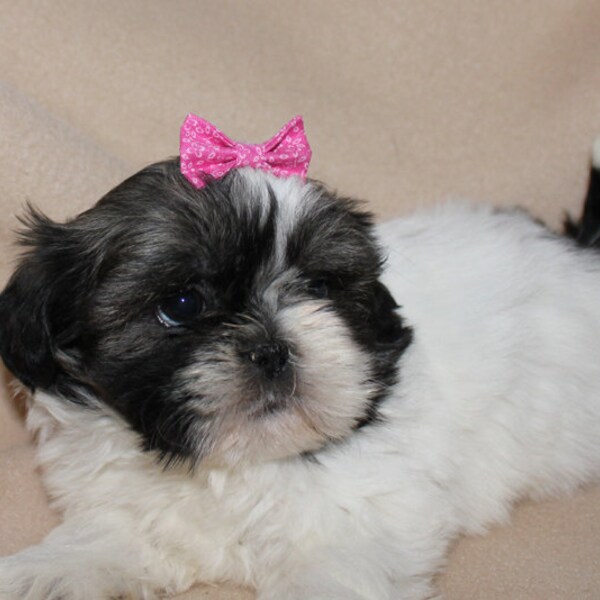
(498, 399)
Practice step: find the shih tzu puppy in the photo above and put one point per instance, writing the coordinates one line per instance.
(236, 377)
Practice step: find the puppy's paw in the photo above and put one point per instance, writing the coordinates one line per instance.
(24, 580)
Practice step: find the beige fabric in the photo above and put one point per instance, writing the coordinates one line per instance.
(404, 103)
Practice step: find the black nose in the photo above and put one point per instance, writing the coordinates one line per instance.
(271, 358)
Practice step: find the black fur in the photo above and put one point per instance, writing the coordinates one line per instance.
(80, 313)
(586, 231)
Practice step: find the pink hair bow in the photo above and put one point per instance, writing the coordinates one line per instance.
(207, 153)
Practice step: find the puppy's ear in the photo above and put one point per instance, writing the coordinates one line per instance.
(36, 305)
(387, 325)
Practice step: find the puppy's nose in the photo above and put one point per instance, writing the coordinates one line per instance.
(271, 358)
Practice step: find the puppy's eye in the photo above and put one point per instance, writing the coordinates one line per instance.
(180, 308)
(318, 288)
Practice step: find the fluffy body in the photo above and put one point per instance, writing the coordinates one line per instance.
(497, 398)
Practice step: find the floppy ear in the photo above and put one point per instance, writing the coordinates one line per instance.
(24, 330)
(388, 327)
(35, 305)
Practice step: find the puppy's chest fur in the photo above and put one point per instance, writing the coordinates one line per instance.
(211, 525)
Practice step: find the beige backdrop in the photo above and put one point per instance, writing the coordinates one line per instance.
(405, 103)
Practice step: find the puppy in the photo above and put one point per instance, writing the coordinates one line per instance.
(249, 382)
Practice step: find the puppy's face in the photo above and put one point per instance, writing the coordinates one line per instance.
(241, 322)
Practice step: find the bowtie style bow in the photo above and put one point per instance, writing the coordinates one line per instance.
(206, 153)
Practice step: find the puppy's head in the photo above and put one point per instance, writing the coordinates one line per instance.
(243, 321)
